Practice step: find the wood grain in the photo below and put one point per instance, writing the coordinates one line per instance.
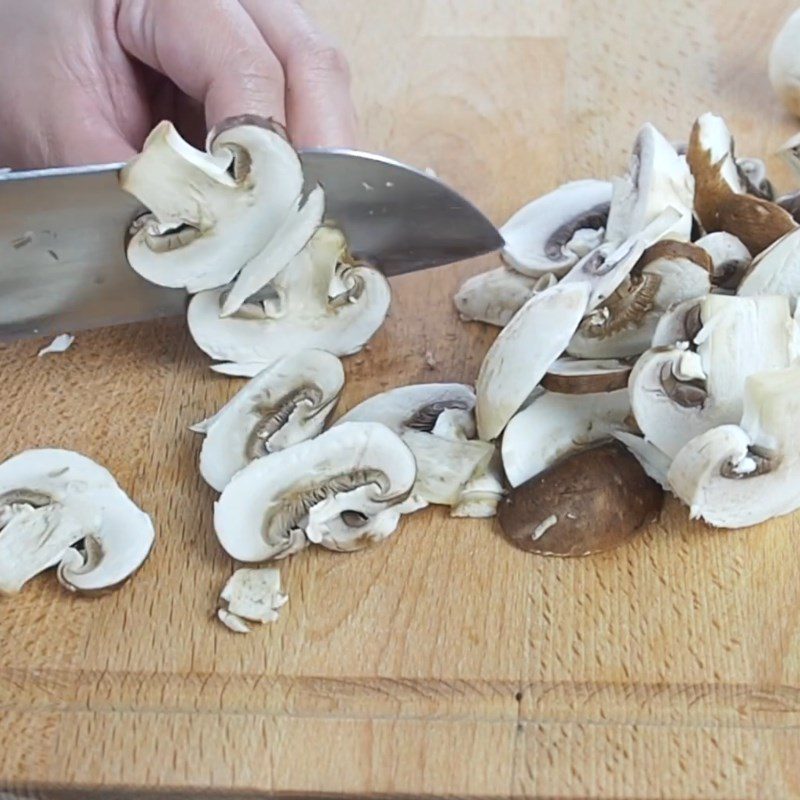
(444, 663)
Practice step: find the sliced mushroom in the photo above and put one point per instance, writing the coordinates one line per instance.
(305, 317)
(668, 272)
(284, 404)
(606, 269)
(522, 353)
(481, 495)
(791, 204)
(576, 376)
(721, 203)
(680, 324)
(729, 258)
(658, 178)
(677, 394)
(213, 212)
(655, 463)
(436, 422)
(587, 503)
(60, 508)
(251, 595)
(753, 173)
(550, 234)
(494, 297)
(734, 476)
(341, 490)
(555, 425)
(776, 270)
(784, 64)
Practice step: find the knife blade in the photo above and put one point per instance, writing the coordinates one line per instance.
(62, 237)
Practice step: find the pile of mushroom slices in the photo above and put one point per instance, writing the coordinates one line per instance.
(287, 483)
(237, 229)
(655, 311)
(60, 509)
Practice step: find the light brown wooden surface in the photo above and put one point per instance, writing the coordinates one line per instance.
(443, 662)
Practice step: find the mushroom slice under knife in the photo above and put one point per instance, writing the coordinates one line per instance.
(59, 508)
(342, 490)
(284, 404)
(551, 233)
(212, 212)
(668, 272)
(303, 316)
(734, 476)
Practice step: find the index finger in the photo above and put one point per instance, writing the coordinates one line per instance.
(212, 51)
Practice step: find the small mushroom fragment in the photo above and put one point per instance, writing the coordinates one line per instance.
(776, 270)
(284, 404)
(753, 173)
(590, 376)
(734, 476)
(551, 233)
(342, 490)
(60, 344)
(59, 508)
(668, 272)
(784, 64)
(658, 178)
(494, 297)
(677, 394)
(251, 595)
(554, 425)
(211, 213)
(729, 258)
(587, 503)
(304, 316)
(522, 353)
(721, 202)
(436, 422)
(481, 494)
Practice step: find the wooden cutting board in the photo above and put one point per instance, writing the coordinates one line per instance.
(443, 662)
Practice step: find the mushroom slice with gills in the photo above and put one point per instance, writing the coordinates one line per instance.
(606, 268)
(680, 324)
(211, 212)
(655, 463)
(436, 422)
(555, 425)
(284, 404)
(551, 233)
(669, 272)
(309, 318)
(658, 178)
(677, 394)
(52, 501)
(721, 201)
(776, 270)
(729, 259)
(522, 353)
(589, 376)
(495, 296)
(340, 490)
(734, 476)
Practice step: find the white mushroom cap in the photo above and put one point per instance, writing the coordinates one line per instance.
(266, 510)
(495, 296)
(658, 179)
(540, 237)
(735, 476)
(308, 318)
(784, 64)
(284, 404)
(776, 270)
(555, 425)
(520, 356)
(213, 211)
(73, 500)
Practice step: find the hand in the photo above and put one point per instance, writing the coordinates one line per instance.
(84, 81)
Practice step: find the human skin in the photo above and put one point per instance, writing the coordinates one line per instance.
(84, 81)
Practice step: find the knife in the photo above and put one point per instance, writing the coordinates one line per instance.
(62, 237)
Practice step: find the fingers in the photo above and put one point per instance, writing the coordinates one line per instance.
(319, 105)
(212, 51)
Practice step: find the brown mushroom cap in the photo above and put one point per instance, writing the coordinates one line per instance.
(574, 376)
(589, 502)
(672, 250)
(757, 222)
